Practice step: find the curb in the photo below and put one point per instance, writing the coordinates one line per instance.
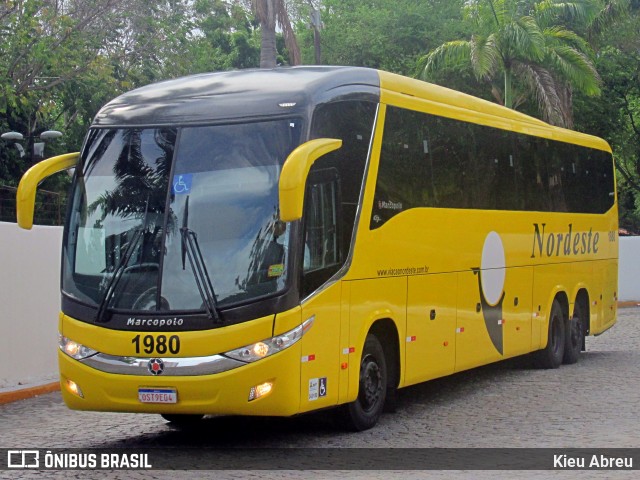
(628, 304)
(25, 393)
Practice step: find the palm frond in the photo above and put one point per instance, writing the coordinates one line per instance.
(487, 14)
(523, 37)
(559, 35)
(290, 39)
(448, 55)
(549, 12)
(485, 57)
(545, 88)
(613, 12)
(576, 68)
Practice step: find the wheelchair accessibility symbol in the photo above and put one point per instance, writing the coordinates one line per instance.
(182, 184)
(322, 391)
(317, 388)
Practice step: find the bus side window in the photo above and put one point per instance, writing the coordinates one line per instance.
(322, 245)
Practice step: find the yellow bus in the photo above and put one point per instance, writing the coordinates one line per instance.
(274, 242)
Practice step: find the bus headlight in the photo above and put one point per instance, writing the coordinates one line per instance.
(74, 349)
(259, 350)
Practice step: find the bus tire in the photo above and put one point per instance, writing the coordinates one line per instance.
(182, 420)
(551, 356)
(575, 335)
(364, 412)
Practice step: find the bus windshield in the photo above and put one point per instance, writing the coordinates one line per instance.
(157, 213)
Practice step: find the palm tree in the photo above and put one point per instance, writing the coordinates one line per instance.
(524, 43)
(271, 13)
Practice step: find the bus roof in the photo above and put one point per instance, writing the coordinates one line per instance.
(243, 94)
(257, 93)
(403, 91)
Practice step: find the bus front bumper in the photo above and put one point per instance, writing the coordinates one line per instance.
(227, 393)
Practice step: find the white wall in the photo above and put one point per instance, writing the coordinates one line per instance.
(629, 269)
(29, 304)
(30, 300)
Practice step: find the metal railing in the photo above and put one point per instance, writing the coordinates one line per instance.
(50, 206)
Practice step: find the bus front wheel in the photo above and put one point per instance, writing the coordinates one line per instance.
(364, 413)
(551, 356)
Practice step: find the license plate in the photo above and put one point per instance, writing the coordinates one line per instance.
(157, 395)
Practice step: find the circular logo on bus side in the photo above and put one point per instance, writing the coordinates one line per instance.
(155, 366)
(491, 283)
(492, 268)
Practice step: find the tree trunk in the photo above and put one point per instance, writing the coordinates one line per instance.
(508, 101)
(268, 47)
(266, 11)
(316, 46)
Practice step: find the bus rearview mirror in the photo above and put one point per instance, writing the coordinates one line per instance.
(294, 175)
(26, 196)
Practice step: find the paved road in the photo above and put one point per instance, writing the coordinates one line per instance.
(594, 404)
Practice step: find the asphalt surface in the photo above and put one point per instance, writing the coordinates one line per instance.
(592, 404)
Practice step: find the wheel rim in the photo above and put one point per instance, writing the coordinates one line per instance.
(370, 384)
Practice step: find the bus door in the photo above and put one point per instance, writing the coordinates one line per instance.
(322, 258)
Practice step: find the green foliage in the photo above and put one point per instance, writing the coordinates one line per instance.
(615, 115)
(524, 52)
(385, 34)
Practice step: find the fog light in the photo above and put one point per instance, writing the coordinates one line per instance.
(260, 390)
(74, 388)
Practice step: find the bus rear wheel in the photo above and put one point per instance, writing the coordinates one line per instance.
(551, 356)
(575, 335)
(364, 413)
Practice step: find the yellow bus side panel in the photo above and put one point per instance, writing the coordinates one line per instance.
(474, 345)
(431, 240)
(372, 300)
(320, 350)
(348, 360)
(544, 254)
(431, 327)
(287, 321)
(609, 302)
(517, 322)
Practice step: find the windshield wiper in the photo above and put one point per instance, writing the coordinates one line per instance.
(200, 273)
(122, 266)
(117, 274)
(191, 247)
